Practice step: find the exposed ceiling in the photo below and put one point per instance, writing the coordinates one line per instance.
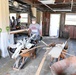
(57, 5)
(18, 6)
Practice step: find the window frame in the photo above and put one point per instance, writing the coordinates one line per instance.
(25, 17)
(70, 19)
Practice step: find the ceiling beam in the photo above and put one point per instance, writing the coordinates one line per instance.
(63, 4)
(29, 2)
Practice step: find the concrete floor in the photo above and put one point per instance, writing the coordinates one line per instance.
(31, 66)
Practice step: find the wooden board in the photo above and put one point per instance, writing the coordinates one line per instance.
(40, 66)
(56, 51)
(19, 31)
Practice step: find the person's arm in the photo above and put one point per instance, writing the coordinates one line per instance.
(29, 31)
(40, 30)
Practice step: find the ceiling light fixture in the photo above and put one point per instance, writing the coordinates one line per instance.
(16, 4)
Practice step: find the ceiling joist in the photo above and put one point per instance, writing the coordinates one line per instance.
(50, 5)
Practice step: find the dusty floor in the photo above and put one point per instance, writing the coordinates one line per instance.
(31, 66)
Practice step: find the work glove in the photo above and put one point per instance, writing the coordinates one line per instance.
(40, 38)
(28, 35)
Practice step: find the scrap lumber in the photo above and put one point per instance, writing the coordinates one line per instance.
(40, 66)
(47, 52)
(27, 50)
(43, 60)
(56, 51)
(18, 31)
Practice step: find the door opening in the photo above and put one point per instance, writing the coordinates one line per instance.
(54, 25)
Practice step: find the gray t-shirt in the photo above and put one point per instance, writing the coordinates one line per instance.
(35, 29)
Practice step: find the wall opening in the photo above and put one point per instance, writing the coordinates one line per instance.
(54, 25)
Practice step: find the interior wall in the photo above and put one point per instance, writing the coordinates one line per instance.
(70, 30)
(46, 23)
(66, 31)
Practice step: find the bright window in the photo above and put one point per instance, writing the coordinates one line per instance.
(70, 19)
(24, 17)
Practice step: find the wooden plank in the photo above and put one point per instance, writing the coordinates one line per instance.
(27, 50)
(40, 66)
(19, 31)
(43, 60)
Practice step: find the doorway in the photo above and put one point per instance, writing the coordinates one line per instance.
(54, 25)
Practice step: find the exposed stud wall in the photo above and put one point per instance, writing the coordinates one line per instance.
(46, 23)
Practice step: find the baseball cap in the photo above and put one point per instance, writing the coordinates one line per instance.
(33, 18)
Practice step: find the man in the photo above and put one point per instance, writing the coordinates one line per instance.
(10, 22)
(35, 28)
(18, 20)
(13, 22)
